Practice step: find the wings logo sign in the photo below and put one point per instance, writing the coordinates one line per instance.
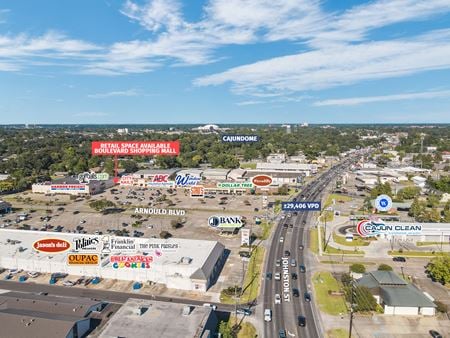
(367, 228)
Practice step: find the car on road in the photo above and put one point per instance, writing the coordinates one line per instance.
(307, 297)
(278, 262)
(295, 292)
(268, 275)
(277, 276)
(291, 225)
(301, 321)
(293, 262)
(277, 298)
(68, 283)
(245, 312)
(282, 333)
(212, 306)
(301, 247)
(435, 334)
(294, 276)
(302, 268)
(287, 253)
(268, 315)
(399, 259)
(281, 239)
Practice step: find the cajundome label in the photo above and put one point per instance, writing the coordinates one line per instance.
(367, 228)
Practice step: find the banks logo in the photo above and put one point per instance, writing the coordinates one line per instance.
(262, 180)
(86, 244)
(82, 259)
(367, 228)
(187, 180)
(383, 203)
(225, 221)
(51, 245)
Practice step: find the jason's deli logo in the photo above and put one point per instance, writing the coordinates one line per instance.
(367, 228)
(187, 180)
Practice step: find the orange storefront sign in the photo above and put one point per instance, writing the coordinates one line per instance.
(83, 259)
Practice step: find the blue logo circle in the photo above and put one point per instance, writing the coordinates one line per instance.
(383, 203)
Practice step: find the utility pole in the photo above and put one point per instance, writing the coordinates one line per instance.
(351, 309)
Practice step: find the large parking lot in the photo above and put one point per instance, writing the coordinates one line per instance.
(65, 214)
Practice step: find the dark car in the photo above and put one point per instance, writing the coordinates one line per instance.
(301, 320)
(269, 275)
(291, 225)
(435, 334)
(295, 292)
(399, 259)
(282, 333)
(307, 297)
(287, 253)
(242, 311)
(302, 268)
(304, 222)
(294, 276)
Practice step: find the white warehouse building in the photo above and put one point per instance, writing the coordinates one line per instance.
(178, 263)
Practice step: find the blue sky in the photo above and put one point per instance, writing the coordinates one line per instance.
(224, 61)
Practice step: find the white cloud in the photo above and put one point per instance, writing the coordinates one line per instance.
(128, 92)
(385, 98)
(340, 65)
(249, 103)
(3, 14)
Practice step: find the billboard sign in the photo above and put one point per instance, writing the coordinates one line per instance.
(131, 262)
(301, 206)
(245, 236)
(187, 181)
(86, 244)
(383, 203)
(51, 245)
(160, 181)
(368, 228)
(86, 177)
(68, 187)
(240, 138)
(126, 180)
(235, 185)
(225, 221)
(197, 191)
(262, 180)
(83, 259)
(135, 148)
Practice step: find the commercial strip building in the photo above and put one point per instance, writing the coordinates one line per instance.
(140, 318)
(39, 316)
(178, 263)
(71, 186)
(396, 296)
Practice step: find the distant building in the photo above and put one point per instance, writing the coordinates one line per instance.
(71, 186)
(208, 128)
(122, 131)
(431, 149)
(301, 168)
(139, 318)
(30, 315)
(396, 296)
(4, 177)
(276, 158)
(419, 181)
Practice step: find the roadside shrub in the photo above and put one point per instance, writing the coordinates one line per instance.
(384, 267)
(441, 307)
(165, 234)
(357, 268)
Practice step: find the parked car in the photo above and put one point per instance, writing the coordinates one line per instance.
(278, 262)
(267, 315)
(294, 276)
(435, 334)
(282, 333)
(295, 292)
(287, 253)
(245, 312)
(302, 268)
(269, 276)
(399, 259)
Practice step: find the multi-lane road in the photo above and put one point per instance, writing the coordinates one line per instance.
(294, 231)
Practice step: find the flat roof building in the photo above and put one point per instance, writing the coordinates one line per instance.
(178, 263)
(38, 316)
(139, 318)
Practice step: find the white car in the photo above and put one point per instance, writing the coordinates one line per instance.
(277, 298)
(277, 276)
(278, 262)
(68, 283)
(281, 239)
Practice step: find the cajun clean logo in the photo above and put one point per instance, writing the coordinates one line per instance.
(51, 245)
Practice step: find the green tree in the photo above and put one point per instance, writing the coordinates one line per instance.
(434, 216)
(408, 193)
(381, 189)
(433, 200)
(363, 299)
(357, 268)
(225, 330)
(130, 166)
(283, 190)
(384, 267)
(439, 269)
